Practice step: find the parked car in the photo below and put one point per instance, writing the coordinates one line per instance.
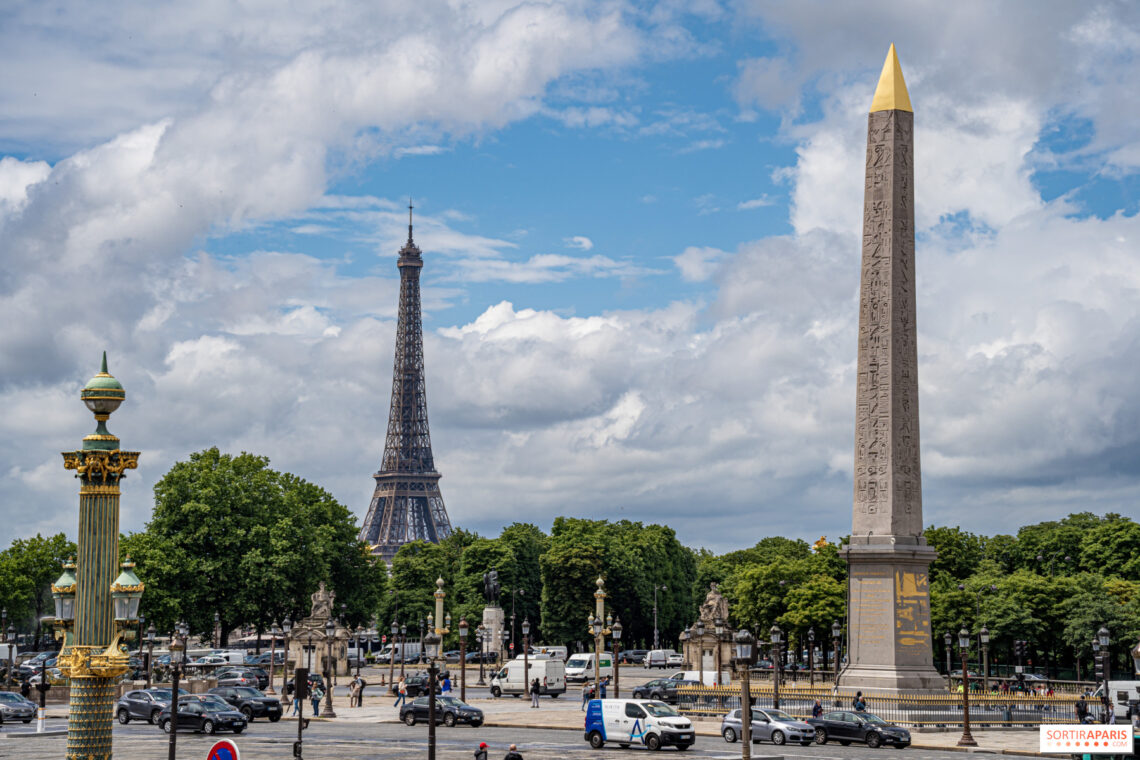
(262, 676)
(264, 658)
(845, 727)
(489, 657)
(633, 656)
(448, 711)
(212, 659)
(205, 716)
(675, 660)
(255, 677)
(250, 702)
(662, 689)
(451, 656)
(775, 726)
(13, 707)
(417, 684)
(143, 704)
(657, 658)
(764, 664)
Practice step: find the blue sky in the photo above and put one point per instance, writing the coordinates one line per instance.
(641, 233)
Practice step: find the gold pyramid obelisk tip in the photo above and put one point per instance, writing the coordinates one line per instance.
(891, 94)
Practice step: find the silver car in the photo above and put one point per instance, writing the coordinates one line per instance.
(775, 726)
(13, 707)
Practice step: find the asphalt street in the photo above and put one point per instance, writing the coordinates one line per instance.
(364, 741)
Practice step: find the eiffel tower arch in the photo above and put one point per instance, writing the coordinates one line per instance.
(407, 504)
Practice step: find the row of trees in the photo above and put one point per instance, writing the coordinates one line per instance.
(229, 535)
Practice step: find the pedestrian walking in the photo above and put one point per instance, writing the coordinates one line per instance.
(1109, 713)
(354, 692)
(585, 693)
(602, 687)
(26, 687)
(401, 692)
(446, 687)
(513, 754)
(317, 695)
(360, 694)
(481, 752)
(1082, 709)
(534, 689)
(816, 709)
(289, 692)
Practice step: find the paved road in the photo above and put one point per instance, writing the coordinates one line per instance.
(382, 741)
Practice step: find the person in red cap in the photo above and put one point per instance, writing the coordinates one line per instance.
(481, 753)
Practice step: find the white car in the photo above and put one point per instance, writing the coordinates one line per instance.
(676, 660)
(212, 659)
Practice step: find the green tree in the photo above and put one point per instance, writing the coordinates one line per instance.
(27, 569)
(959, 552)
(1112, 548)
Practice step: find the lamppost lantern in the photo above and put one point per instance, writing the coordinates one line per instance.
(330, 627)
(718, 625)
(463, 628)
(447, 621)
(616, 629)
(775, 634)
(596, 624)
(948, 638)
(150, 634)
(1096, 644)
(286, 625)
(63, 592)
(1103, 636)
(700, 629)
(811, 635)
(526, 626)
(984, 636)
(745, 645)
(395, 629)
(836, 630)
(126, 592)
(963, 638)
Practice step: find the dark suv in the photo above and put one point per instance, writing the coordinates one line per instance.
(242, 677)
(207, 717)
(663, 689)
(143, 705)
(250, 702)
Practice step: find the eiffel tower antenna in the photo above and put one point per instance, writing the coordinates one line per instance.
(406, 504)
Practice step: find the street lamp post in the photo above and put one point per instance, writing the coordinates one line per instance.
(359, 630)
(403, 643)
(526, 656)
(1052, 559)
(701, 648)
(776, 636)
(948, 639)
(514, 593)
(836, 633)
(984, 637)
(93, 655)
(10, 637)
(615, 633)
(598, 628)
(505, 639)
(745, 656)
(433, 640)
(718, 627)
(274, 632)
(330, 666)
(286, 629)
(967, 739)
(1103, 637)
(150, 634)
(481, 639)
(395, 630)
(217, 630)
(177, 663)
(463, 658)
(811, 657)
(656, 588)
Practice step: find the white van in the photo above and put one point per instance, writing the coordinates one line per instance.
(580, 667)
(658, 658)
(637, 721)
(710, 677)
(511, 679)
(558, 652)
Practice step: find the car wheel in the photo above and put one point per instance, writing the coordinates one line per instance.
(596, 740)
(409, 718)
(274, 718)
(154, 717)
(900, 746)
(554, 695)
(874, 740)
(778, 737)
(208, 727)
(820, 736)
(683, 747)
(476, 723)
(165, 726)
(449, 720)
(239, 730)
(496, 692)
(123, 716)
(27, 720)
(653, 742)
(729, 735)
(247, 711)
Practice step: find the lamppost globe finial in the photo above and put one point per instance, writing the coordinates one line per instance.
(102, 395)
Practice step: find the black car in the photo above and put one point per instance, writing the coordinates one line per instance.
(633, 656)
(663, 690)
(448, 711)
(845, 727)
(417, 684)
(207, 717)
(489, 657)
(241, 677)
(144, 704)
(250, 702)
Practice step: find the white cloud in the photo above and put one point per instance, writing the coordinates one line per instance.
(761, 202)
(581, 242)
(697, 264)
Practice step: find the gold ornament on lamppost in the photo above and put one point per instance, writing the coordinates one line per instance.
(105, 607)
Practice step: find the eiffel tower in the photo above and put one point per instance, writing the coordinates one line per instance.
(407, 505)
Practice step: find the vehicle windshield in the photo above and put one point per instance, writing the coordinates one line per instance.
(164, 694)
(872, 719)
(449, 701)
(780, 715)
(660, 709)
(216, 706)
(246, 691)
(8, 696)
(578, 662)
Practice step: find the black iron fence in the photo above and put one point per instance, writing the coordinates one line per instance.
(917, 709)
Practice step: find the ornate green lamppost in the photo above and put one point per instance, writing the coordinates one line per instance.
(93, 654)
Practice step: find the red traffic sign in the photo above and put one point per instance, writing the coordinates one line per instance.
(224, 749)
(384, 639)
(512, 646)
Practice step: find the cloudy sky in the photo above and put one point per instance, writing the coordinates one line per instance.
(641, 234)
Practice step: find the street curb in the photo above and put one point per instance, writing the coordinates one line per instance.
(31, 734)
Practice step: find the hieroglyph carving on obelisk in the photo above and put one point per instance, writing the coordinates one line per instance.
(889, 634)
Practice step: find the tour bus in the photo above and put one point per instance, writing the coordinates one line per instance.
(549, 671)
(637, 721)
(580, 667)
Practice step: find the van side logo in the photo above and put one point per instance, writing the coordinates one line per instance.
(637, 731)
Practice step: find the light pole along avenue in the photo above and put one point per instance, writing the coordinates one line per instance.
(967, 739)
(526, 657)
(745, 656)
(776, 636)
(463, 627)
(656, 588)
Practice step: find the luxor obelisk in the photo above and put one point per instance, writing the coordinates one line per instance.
(889, 636)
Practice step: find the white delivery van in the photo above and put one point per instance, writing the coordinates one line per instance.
(552, 651)
(710, 677)
(580, 667)
(658, 658)
(637, 721)
(511, 678)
